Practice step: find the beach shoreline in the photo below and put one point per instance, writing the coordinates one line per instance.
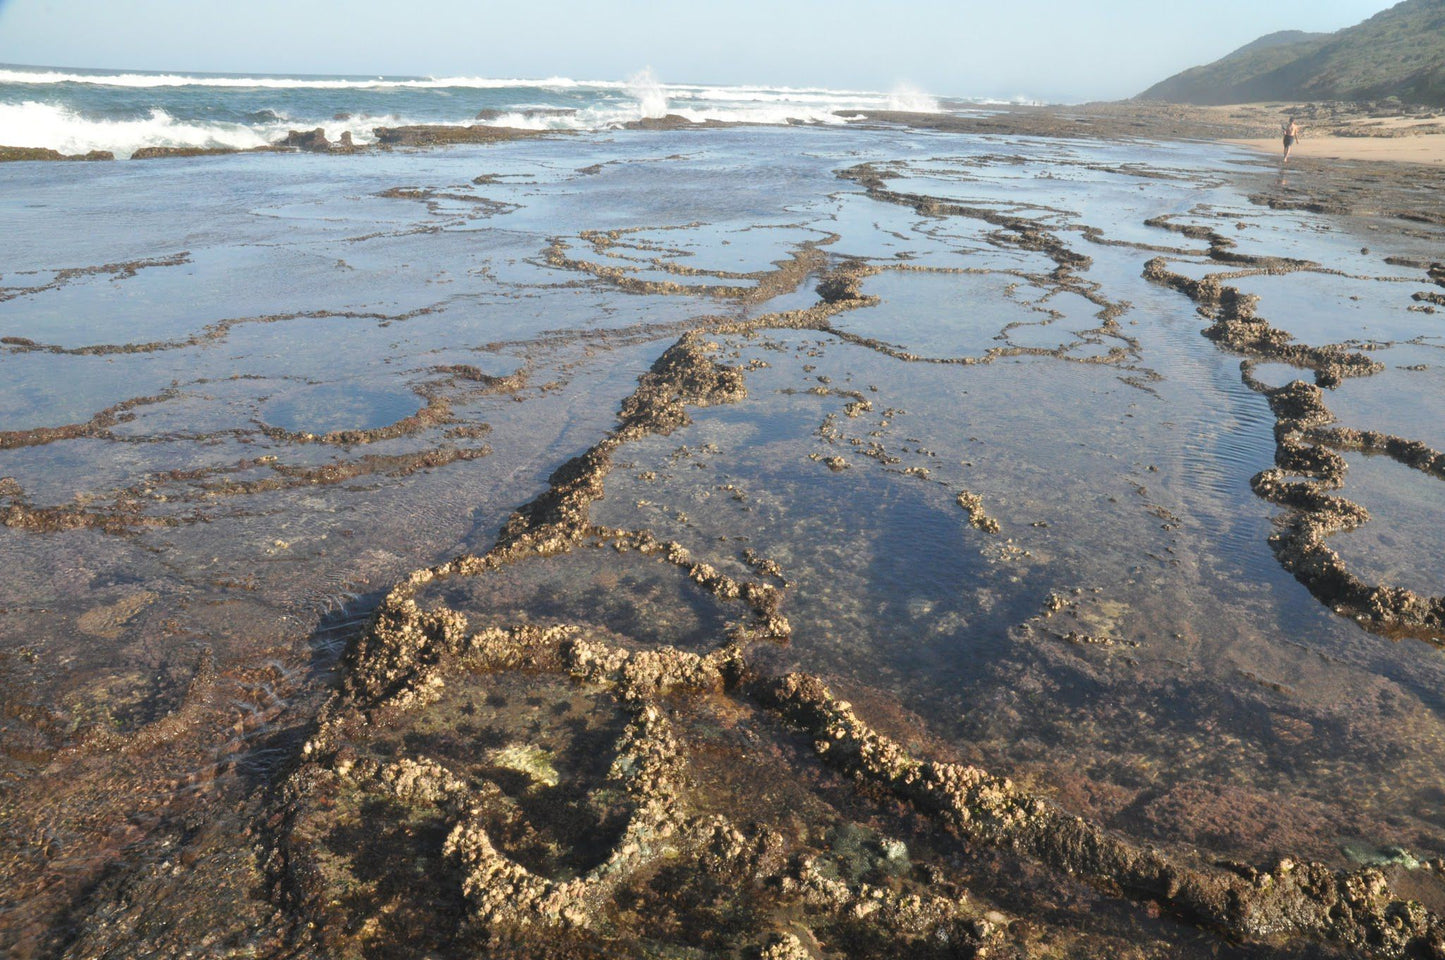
(1389, 133)
(1386, 133)
(1428, 149)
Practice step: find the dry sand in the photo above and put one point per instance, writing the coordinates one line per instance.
(1423, 148)
(1343, 132)
(1337, 131)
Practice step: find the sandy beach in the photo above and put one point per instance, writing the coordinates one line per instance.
(1330, 130)
(1344, 135)
(1419, 148)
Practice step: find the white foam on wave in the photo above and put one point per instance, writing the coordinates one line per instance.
(591, 105)
(780, 113)
(790, 94)
(642, 86)
(143, 80)
(612, 117)
(39, 75)
(700, 103)
(32, 124)
(822, 100)
(908, 98)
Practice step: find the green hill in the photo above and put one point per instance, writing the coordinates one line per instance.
(1399, 52)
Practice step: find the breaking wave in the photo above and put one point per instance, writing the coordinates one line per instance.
(59, 128)
(78, 111)
(906, 97)
(144, 80)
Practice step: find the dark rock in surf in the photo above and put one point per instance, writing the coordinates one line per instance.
(151, 153)
(429, 135)
(313, 141)
(672, 121)
(11, 154)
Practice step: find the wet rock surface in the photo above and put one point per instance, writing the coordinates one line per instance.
(438, 135)
(705, 595)
(42, 153)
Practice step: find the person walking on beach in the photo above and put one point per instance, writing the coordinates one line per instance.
(1291, 134)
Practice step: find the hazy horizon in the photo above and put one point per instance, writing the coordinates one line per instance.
(1108, 51)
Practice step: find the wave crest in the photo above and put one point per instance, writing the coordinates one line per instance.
(145, 80)
(76, 111)
(32, 124)
(907, 98)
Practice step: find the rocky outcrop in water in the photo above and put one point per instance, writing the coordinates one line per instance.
(11, 154)
(425, 135)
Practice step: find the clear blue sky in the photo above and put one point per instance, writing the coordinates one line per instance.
(1055, 49)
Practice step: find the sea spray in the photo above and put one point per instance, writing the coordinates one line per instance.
(908, 98)
(651, 97)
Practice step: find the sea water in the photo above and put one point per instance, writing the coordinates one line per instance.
(80, 110)
(247, 395)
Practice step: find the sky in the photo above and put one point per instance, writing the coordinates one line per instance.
(1067, 50)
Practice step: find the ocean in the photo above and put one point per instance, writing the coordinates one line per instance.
(806, 537)
(78, 111)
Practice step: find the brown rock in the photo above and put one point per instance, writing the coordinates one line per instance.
(313, 141)
(151, 153)
(672, 121)
(8, 154)
(435, 135)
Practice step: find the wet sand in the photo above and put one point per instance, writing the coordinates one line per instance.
(923, 542)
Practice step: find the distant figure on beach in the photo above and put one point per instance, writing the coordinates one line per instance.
(1291, 134)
